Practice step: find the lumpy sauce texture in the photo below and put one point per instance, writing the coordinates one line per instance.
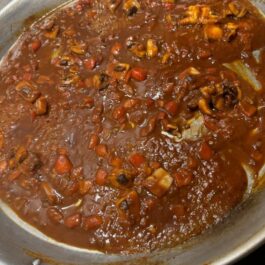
(130, 126)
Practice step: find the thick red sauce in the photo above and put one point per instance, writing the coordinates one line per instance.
(123, 129)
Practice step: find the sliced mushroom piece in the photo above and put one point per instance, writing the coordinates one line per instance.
(52, 195)
(52, 33)
(204, 106)
(78, 49)
(113, 4)
(101, 81)
(191, 71)
(131, 7)
(118, 70)
(192, 15)
(138, 50)
(21, 154)
(159, 182)
(207, 16)
(230, 31)
(152, 48)
(199, 14)
(165, 57)
(27, 91)
(120, 178)
(237, 9)
(41, 106)
(207, 91)
(129, 207)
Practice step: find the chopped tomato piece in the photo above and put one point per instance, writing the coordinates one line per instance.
(183, 177)
(73, 221)
(205, 152)
(92, 222)
(84, 186)
(94, 141)
(248, 109)
(139, 74)
(137, 159)
(116, 162)
(63, 165)
(90, 63)
(102, 150)
(171, 107)
(101, 177)
(35, 45)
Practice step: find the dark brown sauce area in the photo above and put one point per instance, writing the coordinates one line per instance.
(122, 130)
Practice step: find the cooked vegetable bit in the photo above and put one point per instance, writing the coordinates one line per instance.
(152, 48)
(73, 221)
(35, 45)
(21, 154)
(41, 106)
(52, 195)
(199, 14)
(213, 32)
(137, 159)
(129, 207)
(101, 81)
(78, 49)
(53, 33)
(159, 182)
(139, 74)
(237, 10)
(92, 222)
(183, 177)
(131, 7)
(101, 177)
(63, 165)
(120, 178)
(28, 91)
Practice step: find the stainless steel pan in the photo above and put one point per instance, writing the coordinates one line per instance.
(21, 244)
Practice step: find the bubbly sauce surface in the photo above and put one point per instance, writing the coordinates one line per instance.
(131, 126)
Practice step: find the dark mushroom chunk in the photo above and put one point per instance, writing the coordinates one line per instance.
(41, 106)
(27, 91)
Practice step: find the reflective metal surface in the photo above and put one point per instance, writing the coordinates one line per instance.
(239, 234)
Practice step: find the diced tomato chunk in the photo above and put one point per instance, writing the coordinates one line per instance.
(137, 159)
(63, 164)
(139, 74)
(73, 221)
(205, 152)
(101, 150)
(171, 107)
(101, 177)
(183, 177)
(92, 222)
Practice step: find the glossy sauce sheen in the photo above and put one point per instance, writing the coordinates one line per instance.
(120, 128)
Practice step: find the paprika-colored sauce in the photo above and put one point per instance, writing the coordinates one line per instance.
(130, 126)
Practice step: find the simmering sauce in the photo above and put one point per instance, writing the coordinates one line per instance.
(130, 126)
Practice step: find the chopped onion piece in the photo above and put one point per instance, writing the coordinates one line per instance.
(257, 55)
(250, 178)
(261, 173)
(245, 73)
(195, 131)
